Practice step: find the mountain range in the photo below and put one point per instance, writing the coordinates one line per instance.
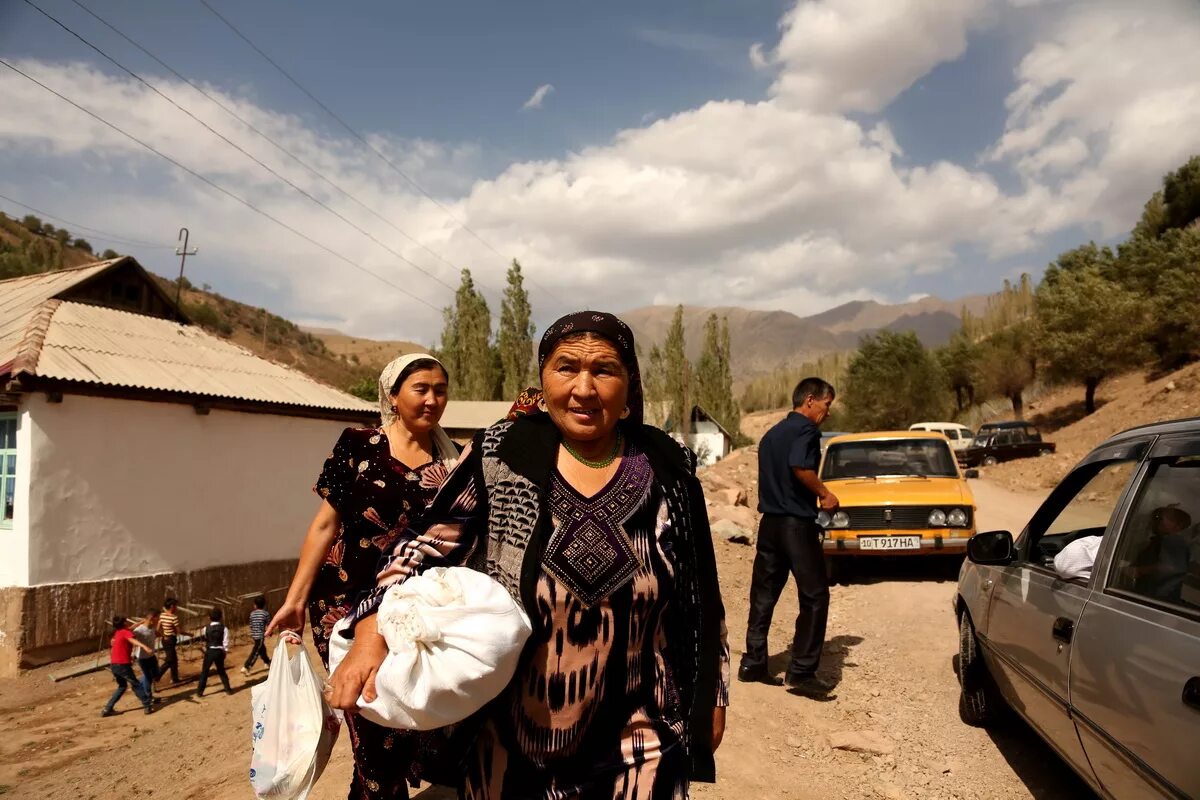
(764, 341)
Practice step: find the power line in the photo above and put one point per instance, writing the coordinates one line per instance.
(267, 138)
(234, 145)
(220, 188)
(109, 237)
(460, 223)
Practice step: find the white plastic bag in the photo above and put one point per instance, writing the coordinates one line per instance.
(454, 638)
(293, 727)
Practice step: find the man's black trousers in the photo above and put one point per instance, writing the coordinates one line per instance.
(788, 546)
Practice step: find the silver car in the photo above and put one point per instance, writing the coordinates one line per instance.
(1088, 623)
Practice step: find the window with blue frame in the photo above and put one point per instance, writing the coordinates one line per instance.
(8, 466)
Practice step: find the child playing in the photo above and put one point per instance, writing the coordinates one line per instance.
(216, 641)
(258, 628)
(120, 661)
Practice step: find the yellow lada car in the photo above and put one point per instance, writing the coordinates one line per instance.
(901, 493)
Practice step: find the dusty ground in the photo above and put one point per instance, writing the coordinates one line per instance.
(891, 642)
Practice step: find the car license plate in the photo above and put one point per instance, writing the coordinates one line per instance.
(889, 542)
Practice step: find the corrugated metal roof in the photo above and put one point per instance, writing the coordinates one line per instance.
(21, 297)
(109, 347)
(473, 414)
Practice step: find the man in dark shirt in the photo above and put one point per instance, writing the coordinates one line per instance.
(790, 495)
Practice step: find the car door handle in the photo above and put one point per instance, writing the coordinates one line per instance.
(1191, 693)
(1063, 630)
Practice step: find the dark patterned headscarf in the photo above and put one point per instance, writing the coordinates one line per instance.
(607, 327)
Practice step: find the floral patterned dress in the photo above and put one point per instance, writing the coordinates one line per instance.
(376, 497)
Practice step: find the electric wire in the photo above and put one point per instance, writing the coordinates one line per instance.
(236, 146)
(221, 189)
(412, 182)
(313, 170)
(108, 237)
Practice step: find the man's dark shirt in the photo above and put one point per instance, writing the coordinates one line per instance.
(793, 442)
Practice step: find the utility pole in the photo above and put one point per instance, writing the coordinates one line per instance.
(183, 253)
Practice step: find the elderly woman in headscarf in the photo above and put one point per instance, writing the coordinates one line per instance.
(596, 524)
(376, 482)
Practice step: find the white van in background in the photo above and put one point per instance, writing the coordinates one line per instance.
(959, 435)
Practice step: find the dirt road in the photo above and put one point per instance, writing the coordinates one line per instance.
(891, 644)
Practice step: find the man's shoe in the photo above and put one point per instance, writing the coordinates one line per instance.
(757, 674)
(108, 712)
(149, 709)
(808, 685)
(245, 671)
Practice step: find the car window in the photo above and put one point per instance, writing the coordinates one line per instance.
(951, 433)
(1082, 506)
(889, 457)
(1158, 557)
(1004, 437)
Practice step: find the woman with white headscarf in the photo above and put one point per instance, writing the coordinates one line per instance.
(375, 484)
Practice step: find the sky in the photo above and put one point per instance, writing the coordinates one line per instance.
(772, 155)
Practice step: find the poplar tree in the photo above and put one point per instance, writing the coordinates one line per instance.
(677, 375)
(714, 379)
(515, 338)
(466, 347)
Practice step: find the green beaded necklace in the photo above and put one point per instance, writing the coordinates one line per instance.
(602, 463)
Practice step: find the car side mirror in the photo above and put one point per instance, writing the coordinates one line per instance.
(971, 473)
(992, 547)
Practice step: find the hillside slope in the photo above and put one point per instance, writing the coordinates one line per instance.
(1135, 398)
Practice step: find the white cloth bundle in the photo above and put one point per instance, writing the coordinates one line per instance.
(454, 638)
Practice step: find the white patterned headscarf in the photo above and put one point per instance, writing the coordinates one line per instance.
(446, 451)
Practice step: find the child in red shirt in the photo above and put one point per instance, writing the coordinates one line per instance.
(121, 663)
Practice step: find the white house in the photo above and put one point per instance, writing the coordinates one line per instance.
(141, 456)
(707, 439)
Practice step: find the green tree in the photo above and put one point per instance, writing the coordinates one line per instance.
(515, 337)
(466, 347)
(960, 361)
(366, 388)
(32, 223)
(110, 254)
(1154, 218)
(1008, 362)
(891, 382)
(1181, 195)
(713, 377)
(1089, 327)
(654, 387)
(1165, 273)
(82, 244)
(677, 375)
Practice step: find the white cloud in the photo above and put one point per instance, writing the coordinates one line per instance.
(1106, 104)
(787, 202)
(538, 97)
(857, 55)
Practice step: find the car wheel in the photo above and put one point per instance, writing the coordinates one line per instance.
(1042, 453)
(990, 461)
(979, 702)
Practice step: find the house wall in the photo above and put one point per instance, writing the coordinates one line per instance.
(717, 446)
(124, 488)
(121, 502)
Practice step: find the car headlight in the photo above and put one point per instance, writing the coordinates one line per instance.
(937, 518)
(957, 518)
(823, 519)
(840, 519)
